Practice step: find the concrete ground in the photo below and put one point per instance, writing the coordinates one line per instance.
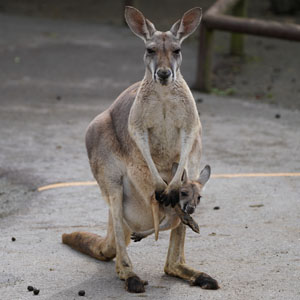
(55, 78)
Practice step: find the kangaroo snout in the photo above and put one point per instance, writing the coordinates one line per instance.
(163, 75)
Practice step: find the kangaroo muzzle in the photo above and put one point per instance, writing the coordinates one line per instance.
(163, 75)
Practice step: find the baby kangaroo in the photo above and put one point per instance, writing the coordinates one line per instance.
(165, 218)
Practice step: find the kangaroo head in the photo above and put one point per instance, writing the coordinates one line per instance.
(190, 192)
(163, 49)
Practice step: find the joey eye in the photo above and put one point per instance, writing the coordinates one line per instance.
(150, 51)
(176, 51)
(184, 194)
(199, 197)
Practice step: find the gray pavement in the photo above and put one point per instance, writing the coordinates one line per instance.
(55, 78)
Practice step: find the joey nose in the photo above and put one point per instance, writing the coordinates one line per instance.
(190, 210)
(163, 74)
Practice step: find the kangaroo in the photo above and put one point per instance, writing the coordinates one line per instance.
(131, 148)
(189, 198)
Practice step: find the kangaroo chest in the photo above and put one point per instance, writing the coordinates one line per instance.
(165, 115)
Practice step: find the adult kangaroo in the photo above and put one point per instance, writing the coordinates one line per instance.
(131, 148)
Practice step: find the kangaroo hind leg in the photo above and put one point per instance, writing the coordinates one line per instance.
(124, 267)
(176, 266)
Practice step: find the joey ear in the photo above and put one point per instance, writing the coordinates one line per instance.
(184, 174)
(138, 24)
(174, 168)
(187, 24)
(184, 178)
(204, 175)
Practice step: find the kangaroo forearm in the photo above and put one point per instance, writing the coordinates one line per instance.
(142, 141)
(187, 141)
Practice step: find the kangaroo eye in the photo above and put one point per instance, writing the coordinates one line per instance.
(184, 194)
(150, 51)
(199, 197)
(176, 51)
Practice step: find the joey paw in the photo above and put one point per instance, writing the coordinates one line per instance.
(136, 237)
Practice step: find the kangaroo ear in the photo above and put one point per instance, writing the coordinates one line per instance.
(175, 27)
(138, 24)
(204, 175)
(187, 24)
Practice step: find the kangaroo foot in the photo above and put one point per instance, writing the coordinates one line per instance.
(205, 282)
(134, 284)
(195, 278)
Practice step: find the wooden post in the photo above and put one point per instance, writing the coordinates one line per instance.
(215, 19)
(237, 39)
(205, 52)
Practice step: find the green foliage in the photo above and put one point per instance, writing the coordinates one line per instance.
(226, 92)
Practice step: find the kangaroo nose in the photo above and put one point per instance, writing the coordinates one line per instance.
(163, 74)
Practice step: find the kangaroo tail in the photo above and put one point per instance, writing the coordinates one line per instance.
(89, 243)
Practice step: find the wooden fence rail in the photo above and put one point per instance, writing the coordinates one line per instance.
(215, 19)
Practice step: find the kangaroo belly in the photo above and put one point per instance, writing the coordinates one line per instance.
(138, 218)
(137, 210)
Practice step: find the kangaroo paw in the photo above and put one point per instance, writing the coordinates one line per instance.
(135, 285)
(206, 282)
